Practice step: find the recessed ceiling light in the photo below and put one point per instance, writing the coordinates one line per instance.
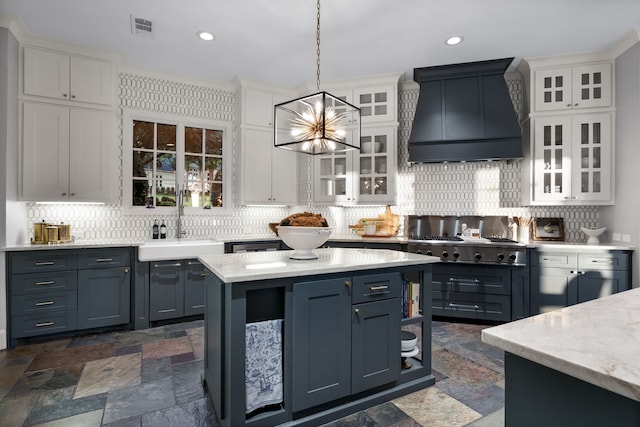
(205, 36)
(454, 40)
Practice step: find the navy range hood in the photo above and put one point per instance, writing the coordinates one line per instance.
(464, 113)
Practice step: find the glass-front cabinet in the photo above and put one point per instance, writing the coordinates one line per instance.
(366, 176)
(572, 159)
(585, 86)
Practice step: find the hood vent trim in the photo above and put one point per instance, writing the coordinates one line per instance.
(464, 113)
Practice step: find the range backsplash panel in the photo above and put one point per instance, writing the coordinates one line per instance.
(478, 188)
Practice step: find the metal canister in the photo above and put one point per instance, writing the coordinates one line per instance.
(40, 232)
(64, 232)
(52, 234)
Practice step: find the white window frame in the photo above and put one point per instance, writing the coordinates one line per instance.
(129, 116)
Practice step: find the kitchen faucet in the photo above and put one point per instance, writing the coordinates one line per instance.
(179, 232)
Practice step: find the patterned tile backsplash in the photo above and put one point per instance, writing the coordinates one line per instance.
(479, 188)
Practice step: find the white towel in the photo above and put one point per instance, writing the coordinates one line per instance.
(263, 364)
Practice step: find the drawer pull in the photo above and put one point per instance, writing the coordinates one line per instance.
(169, 310)
(48, 282)
(45, 263)
(177, 264)
(379, 288)
(104, 259)
(203, 274)
(454, 305)
(40, 325)
(40, 304)
(454, 280)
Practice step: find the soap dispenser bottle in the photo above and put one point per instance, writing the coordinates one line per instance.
(163, 230)
(155, 230)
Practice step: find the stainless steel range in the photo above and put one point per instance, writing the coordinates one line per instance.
(468, 239)
(482, 274)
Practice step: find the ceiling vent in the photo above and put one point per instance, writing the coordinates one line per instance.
(142, 27)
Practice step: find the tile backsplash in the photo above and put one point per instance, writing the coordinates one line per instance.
(478, 188)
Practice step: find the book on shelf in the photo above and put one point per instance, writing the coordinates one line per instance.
(410, 299)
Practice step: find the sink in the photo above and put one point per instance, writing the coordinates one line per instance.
(159, 250)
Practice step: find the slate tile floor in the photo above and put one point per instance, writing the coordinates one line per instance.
(152, 378)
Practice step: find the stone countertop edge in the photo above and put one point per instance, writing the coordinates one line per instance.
(597, 341)
(250, 266)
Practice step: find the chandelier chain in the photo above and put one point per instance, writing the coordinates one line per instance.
(318, 46)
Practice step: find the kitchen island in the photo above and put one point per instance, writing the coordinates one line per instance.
(306, 342)
(577, 366)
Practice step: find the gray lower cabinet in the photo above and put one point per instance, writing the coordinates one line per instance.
(176, 289)
(52, 291)
(346, 337)
(560, 278)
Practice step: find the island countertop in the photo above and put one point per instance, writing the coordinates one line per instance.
(248, 266)
(596, 341)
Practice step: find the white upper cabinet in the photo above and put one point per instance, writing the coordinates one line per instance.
(572, 159)
(579, 86)
(265, 175)
(68, 154)
(570, 132)
(377, 103)
(67, 77)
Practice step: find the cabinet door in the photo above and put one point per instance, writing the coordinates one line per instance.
(194, 280)
(553, 89)
(256, 165)
(375, 331)
(334, 178)
(91, 81)
(258, 107)
(593, 284)
(375, 166)
(552, 159)
(46, 73)
(321, 342)
(104, 297)
(591, 155)
(45, 152)
(550, 288)
(91, 155)
(284, 176)
(592, 86)
(166, 291)
(377, 104)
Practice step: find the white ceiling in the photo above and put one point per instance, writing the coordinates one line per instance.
(274, 40)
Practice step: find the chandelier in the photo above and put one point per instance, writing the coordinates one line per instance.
(319, 123)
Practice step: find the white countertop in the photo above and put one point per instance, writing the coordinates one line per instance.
(597, 341)
(243, 267)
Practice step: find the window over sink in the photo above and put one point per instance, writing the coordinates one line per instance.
(162, 155)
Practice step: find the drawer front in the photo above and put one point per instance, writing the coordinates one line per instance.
(462, 278)
(556, 259)
(105, 258)
(376, 287)
(41, 324)
(471, 306)
(42, 260)
(604, 261)
(46, 302)
(43, 282)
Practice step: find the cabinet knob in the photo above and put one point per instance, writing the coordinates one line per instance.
(64, 95)
(347, 283)
(72, 194)
(64, 194)
(73, 97)
(126, 270)
(357, 310)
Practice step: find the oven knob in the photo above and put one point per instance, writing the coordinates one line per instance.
(512, 257)
(445, 254)
(429, 252)
(456, 255)
(500, 257)
(477, 256)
